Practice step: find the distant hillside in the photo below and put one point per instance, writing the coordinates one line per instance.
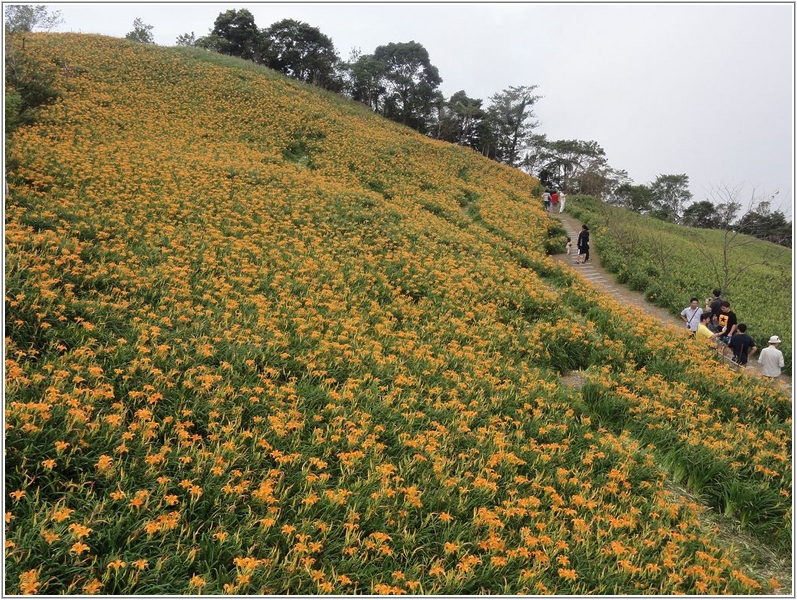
(672, 263)
(260, 341)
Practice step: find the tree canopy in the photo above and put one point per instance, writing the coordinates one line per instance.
(365, 80)
(511, 115)
(765, 224)
(460, 119)
(301, 51)
(670, 194)
(638, 198)
(574, 166)
(186, 39)
(701, 214)
(235, 33)
(410, 81)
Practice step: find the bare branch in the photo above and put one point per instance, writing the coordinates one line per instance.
(730, 266)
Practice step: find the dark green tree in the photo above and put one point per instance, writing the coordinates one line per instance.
(707, 215)
(141, 32)
(487, 137)
(511, 117)
(765, 224)
(601, 182)
(574, 166)
(303, 52)
(235, 33)
(366, 80)
(459, 120)
(410, 81)
(638, 198)
(726, 214)
(701, 214)
(670, 194)
(186, 39)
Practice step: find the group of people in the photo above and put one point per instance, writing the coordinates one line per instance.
(717, 323)
(553, 200)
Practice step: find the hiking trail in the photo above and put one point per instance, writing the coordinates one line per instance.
(605, 282)
(768, 563)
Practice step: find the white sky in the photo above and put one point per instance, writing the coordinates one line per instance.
(670, 88)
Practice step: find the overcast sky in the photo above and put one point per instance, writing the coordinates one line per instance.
(701, 89)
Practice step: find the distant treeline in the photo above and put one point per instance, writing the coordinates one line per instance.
(398, 81)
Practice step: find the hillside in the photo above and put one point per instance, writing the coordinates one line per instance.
(671, 263)
(260, 341)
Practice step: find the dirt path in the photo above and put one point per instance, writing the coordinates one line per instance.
(763, 560)
(604, 281)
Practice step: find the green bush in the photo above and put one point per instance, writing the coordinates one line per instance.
(29, 84)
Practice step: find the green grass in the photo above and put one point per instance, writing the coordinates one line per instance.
(671, 263)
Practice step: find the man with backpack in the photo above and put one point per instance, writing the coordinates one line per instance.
(742, 345)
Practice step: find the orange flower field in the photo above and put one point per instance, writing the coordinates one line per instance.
(262, 341)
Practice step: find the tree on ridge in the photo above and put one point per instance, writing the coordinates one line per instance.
(24, 18)
(301, 51)
(141, 32)
(511, 116)
(410, 81)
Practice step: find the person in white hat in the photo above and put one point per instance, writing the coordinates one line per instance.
(771, 359)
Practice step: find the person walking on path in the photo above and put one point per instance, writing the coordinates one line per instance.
(771, 359)
(742, 346)
(691, 315)
(583, 245)
(562, 202)
(554, 201)
(546, 200)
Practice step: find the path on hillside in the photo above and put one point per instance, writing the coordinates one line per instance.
(605, 282)
(769, 563)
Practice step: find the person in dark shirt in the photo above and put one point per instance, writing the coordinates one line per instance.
(582, 243)
(713, 305)
(727, 325)
(742, 345)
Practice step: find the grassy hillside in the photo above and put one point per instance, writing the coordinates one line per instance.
(261, 341)
(671, 263)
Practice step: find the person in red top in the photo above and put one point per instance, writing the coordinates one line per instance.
(554, 200)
